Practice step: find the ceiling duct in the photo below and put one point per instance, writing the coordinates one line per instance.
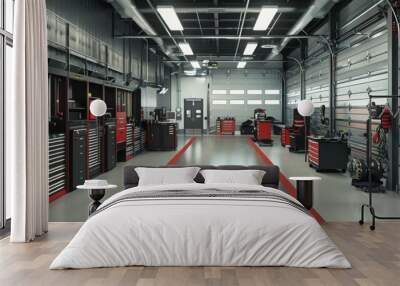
(128, 9)
(318, 10)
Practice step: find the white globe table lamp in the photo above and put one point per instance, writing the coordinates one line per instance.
(98, 107)
(305, 108)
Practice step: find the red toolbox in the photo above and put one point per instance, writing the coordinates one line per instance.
(121, 127)
(285, 136)
(226, 126)
(264, 130)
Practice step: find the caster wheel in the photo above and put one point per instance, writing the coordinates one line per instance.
(360, 222)
(310, 165)
(344, 171)
(372, 227)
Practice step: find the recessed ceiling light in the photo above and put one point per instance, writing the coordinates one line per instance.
(190, 72)
(195, 64)
(250, 48)
(170, 17)
(241, 65)
(186, 49)
(265, 18)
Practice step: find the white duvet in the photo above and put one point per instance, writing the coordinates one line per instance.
(202, 232)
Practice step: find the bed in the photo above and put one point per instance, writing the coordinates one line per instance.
(198, 224)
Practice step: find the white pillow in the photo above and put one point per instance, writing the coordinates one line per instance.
(166, 176)
(248, 177)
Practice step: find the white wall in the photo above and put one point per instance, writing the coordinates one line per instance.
(249, 79)
(189, 87)
(245, 80)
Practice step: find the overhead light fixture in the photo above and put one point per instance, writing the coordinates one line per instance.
(170, 17)
(250, 48)
(195, 64)
(241, 65)
(265, 18)
(190, 72)
(186, 49)
(163, 91)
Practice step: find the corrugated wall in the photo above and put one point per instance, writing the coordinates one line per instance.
(91, 38)
(316, 68)
(292, 86)
(255, 84)
(361, 69)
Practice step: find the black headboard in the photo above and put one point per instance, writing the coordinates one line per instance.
(270, 179)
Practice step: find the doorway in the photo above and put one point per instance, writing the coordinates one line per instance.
(194, 115)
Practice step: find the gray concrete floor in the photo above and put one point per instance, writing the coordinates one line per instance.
(335, 198)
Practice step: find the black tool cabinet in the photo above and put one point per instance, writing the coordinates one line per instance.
(161, 136)
(57, 164)
(78, 158)
(110, 146)
(94, 145)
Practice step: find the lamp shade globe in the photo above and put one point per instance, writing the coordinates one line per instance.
(305, 107)
(98, 107)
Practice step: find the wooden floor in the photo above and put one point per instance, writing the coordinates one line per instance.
(375, 257)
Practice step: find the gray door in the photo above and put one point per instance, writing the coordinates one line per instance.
(193, 112)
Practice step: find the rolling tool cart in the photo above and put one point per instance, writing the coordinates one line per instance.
(262, 128)
(78, 155)
(110, 146)
(226, 126)
(94, 155)
(263, 132)
(285, 136)
(297, 139)
(326, 154)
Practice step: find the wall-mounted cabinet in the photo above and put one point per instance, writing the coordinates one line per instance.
(77, 100)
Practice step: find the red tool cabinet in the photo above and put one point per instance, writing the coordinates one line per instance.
(226, 126)
(264, 130)
(285, 136)
(121, 127)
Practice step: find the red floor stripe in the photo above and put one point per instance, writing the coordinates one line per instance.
(178, 154)
(282, 178)
(57, 195)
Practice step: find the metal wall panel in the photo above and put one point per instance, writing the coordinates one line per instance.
(292, 91)
(91, 37)
(317, 71)
(361, 69)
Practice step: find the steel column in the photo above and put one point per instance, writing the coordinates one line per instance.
(393, 136)
(303, 55)
(332, 70)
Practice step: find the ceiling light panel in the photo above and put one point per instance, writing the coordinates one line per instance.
(195, 64)
(186, 49)
(265, 18)
(241, 65)
(250, 48)
(170, 17)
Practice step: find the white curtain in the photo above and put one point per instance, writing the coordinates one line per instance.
(27, 124)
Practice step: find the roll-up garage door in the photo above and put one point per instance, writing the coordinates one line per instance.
(362, 69)
(292, 91)
(237, 93)
(317, 79)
